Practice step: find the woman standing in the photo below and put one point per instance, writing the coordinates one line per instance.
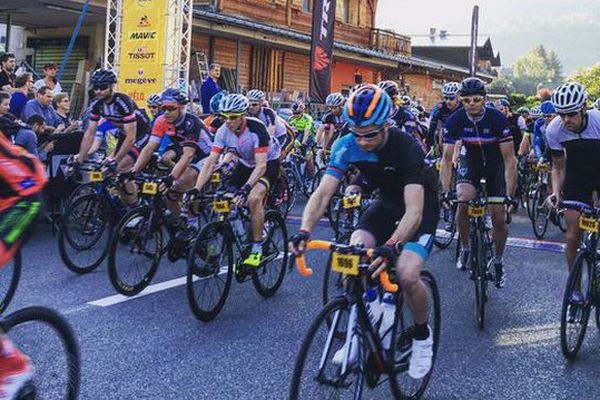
(49, 79)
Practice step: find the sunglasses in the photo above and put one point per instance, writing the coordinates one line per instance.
(449, 98)
(169, 108)
(550, 116)
(254, 104)
(367, 135)
(570, 115)
(475, 99)
(231, 117)
(101, 87)
(153, 107)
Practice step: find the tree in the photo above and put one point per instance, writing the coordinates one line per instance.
(590, 78)
(556, 67)
(536, 69)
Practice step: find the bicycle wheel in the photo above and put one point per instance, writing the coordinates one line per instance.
(48, 340)
(446, 228)
(530, 194)
(540, 213)
(134, 252)
(210, 270)
(403, 386)
(9, 279)
(317, 179)
(315, 375)
(479, 272)
(84, 233)
(269, 276)
(293, 187)
(574, 315)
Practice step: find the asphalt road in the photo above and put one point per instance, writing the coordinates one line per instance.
(152, 347)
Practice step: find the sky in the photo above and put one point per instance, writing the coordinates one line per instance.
(569, 27)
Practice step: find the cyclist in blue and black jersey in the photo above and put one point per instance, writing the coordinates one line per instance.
(485, 134)
(442, 110)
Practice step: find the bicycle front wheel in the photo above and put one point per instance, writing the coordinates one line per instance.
(540, 213)
(269, 276)
(316, 375)
(48, 340)
(575, 311)
(9, 279)
(403, 386)
(479, 276)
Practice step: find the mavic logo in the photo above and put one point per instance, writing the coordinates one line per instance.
(320, 59)
(142, 35)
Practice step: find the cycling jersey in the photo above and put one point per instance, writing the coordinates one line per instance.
(302, 123)
(337, 121)
(188, 131)
(253, 138)
(401, 116)
(121, 111)
(439, 114)
(539, 138)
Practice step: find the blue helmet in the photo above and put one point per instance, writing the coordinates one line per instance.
(547, 108)
(369, 105)
(172, 95)
(216, 100)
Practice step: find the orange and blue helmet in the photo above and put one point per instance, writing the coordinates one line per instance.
(368, 105)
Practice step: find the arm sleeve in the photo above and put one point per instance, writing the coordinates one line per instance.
(159, 129)
(338, 163)
(261, 145)
(219, 142)
(552, 136)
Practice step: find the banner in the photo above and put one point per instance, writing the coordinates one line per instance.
(142, 48)
(473, 51)
(321, 50)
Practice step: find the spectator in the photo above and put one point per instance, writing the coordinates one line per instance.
(210, 87)
(49, 79)
(24, 136)
(20, 96)
(62, 105)
(4, 103)
(44, 141)
(42, 105)
(7, 76)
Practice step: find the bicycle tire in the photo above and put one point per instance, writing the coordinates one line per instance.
(14, 281)
(136, 236)
(539, 220)
(65, 238)
(319, 325)
(268, 287)
(65, 332)
(581, 263)
(478, 268)
(402, 341)
(198, 276)
(532, 188)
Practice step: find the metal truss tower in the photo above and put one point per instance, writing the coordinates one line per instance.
(178, 36)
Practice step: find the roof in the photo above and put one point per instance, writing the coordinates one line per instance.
(457, 51)
(303, 37)
(448, 41)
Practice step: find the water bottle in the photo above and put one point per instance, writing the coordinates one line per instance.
(238, 226)
(373, 306)
(388, 306)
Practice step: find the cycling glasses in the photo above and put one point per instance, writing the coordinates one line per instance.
(254, 104)
(473, 99)
(367, 135)
(570, 114)
(101, 87)
(169, 108)
(153, 107)
(449, 98)
(231, 117)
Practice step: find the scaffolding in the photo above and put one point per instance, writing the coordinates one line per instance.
(176, 63)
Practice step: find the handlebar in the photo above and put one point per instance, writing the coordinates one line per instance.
(330, 246)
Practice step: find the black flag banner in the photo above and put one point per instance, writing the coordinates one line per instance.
(321, 50)
(474, 33)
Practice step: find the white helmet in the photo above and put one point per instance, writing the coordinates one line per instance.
(335, 100)
(256, 95)
(535, 112)
(451, 89)
(569, 97)
(234, 104)
(597, 104)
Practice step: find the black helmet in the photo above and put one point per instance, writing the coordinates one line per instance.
(471, 87)
(103, 76)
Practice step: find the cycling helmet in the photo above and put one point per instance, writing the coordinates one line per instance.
(596, 104)
(234, 104)
(450, 89)
(256, 95)
(154, 99)
(173, 95)
(298, 107)
(405, 100)
(535, 112)
(472, 87)
(523, 110)
(503, 103)
(547, 108)
(336, 99)
(369, 105)
(569, 97)
(103, 76)
(390, 87)
(215, 100)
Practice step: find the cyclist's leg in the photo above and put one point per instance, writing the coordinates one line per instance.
(496, 191)
(466, 190)
(576, 191)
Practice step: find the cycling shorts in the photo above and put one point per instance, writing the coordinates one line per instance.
(16, 225)
(241, 173)
(493, 173)
(579, 189)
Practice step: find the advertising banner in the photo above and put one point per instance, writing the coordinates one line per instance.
(142, 48)
(321, 50)
(474, 33)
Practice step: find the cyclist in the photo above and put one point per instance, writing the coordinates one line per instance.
(394, 162)
(121, 111)
(539, 131)
(154, 106)
(303, 123)
(485, 134)
(275, 125)
(516, 122)
(332, 122)
(22, 179)
(574, 140)
(213, 122)
(442, 111)
(257, 169)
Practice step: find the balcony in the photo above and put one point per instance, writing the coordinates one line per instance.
(390, 42)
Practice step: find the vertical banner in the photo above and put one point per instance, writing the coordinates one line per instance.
(474, 32)
(321, 49)
(142, 48)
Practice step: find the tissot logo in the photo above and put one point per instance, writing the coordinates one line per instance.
(320, 59)
(142, 35)
(141, 54)
(324, 19)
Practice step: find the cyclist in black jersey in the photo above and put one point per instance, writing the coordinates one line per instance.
(332, 122)
(122, 112)
(276, 126)
(442, 110)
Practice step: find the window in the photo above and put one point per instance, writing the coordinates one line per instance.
(307, 5)
(343, 10)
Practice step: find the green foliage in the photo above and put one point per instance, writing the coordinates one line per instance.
(536, 69)
(590, 78)
(517, 99)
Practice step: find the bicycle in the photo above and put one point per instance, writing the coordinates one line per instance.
(584, 279)
(348, 313)
(219, 249)
(54, 377)
(296, 172)
(540, 212)
(446, 223)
